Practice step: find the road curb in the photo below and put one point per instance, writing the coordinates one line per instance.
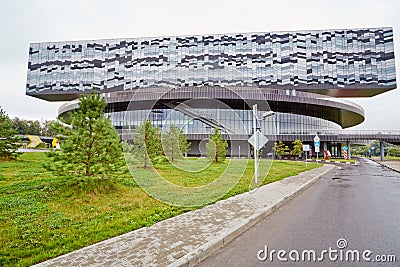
(199, 254)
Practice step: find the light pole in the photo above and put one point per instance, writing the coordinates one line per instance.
(255, 131)
(255, 143)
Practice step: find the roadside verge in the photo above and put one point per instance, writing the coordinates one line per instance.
(392, 165)
(188, 238)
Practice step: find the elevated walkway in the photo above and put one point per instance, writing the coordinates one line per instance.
(353, 136)
(344, 136)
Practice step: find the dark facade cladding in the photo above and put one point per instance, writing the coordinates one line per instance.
(199, 83)
(347, 62)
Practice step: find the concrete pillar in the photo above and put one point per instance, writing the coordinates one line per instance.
(382, 151)
(348, 150)
(339, 150)
(324, 146)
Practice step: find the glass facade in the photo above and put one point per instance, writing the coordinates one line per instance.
(234, 121)
(341, 62)
(319, 60)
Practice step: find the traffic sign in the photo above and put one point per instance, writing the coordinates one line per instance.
(316, 142)
(306, 148)
(345, 148)
(261, 140)
(316, 149)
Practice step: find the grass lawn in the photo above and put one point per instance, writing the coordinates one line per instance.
(43, 215)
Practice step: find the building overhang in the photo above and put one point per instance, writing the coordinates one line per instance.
(344, 113)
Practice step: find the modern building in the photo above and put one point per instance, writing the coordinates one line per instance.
(205, 81)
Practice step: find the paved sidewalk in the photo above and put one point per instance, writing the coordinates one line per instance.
(190, 237)
(391, 164)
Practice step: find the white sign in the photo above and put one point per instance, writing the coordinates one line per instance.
(316, 139)
(261, 140)
(316, 149)
(306, 148)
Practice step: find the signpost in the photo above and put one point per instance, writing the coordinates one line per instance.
(257, 140)
(260, 142)
(316, 144)
(306, 148)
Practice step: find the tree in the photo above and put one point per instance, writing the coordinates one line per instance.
(216, 146)
(46, 129)
(280, 149)
(27, 126)
(175, 143)
(9, 141)
(394, 151)
(32, 127)
(19, 125)
(297, 148)
(147, 142)
(91, 146)
(360, 150)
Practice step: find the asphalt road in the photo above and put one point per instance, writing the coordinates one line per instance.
(360, 204)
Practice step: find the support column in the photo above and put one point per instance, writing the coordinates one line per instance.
(325, 146)
(382, 151)
(348, 150)
(339, 150)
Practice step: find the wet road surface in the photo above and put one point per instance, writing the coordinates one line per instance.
(360, 204)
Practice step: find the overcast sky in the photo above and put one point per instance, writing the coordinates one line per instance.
(23, 22)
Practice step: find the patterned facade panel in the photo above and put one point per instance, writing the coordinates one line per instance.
(351, 58)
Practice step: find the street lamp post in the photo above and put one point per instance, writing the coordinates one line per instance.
(255, 131)
(255, 143)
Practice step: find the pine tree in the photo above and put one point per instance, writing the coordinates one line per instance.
(9, 140)
(147, 142)
(216, 147)
(175, 143)
(91, 146)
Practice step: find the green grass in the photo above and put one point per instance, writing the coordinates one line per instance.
(43, 215)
